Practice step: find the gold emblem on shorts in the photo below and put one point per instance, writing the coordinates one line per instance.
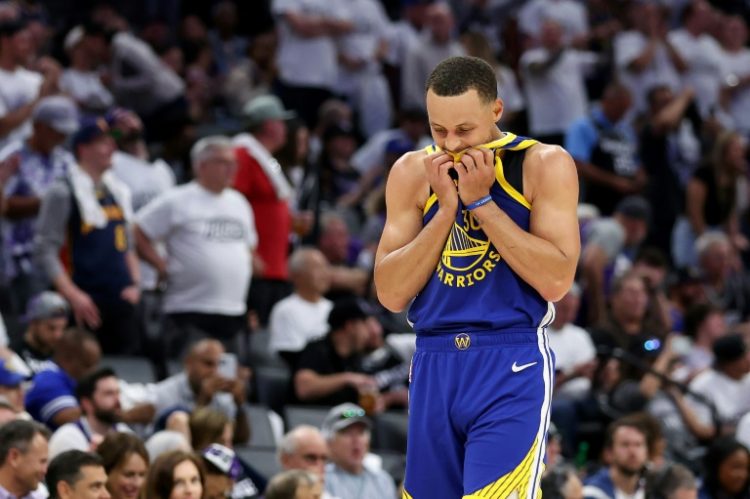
(462, 341)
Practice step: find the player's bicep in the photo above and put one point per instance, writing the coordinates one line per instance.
(554, 215)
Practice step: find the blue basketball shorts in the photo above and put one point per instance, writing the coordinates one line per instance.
(479, 407)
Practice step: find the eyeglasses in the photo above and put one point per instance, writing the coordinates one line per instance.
(314, 458)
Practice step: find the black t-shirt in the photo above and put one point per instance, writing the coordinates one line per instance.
(719, 203)
(33, 358)
(321, 357)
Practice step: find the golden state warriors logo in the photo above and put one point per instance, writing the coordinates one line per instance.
(467, 256)
(462, 341)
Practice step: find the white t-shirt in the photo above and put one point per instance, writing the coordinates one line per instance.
(569, 14)
(18, 88)
(572, 346)
(75, 436)
(743, 431)
(208, 238)
(704, 58)
(295, 321)
(146, 182)
(557, 96)
(372, 153)
(311, 61)
(419, 62)
(86, 87)
(738, 64)
(628, 46)
(730, 397)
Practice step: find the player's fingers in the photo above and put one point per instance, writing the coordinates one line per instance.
(468, 161)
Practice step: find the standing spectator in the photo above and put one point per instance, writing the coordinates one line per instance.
(229, 48)
(307, 58)
(702, 55)
(21, 88)
(51, 398)
(90, 214)
(126, 462)
(41, 161)
(261, 180)
(47, 316)
(727, 465)
(553, 79)
(209, 233)
(98, 396)
(140, 80)
(347, 430)
(737, 69)
(76, 474)
(23, 459)
(644, 56)
(176, 474)
(569, 14)
(303, 316)
(627, 454)
(606, 152)
(81, 80)
(436, 43)
(723, 286)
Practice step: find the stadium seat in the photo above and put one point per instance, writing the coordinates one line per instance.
(262, 434)
(130, 368)
(260, 354)
(296, 415)
(390, 431)
(264, 460)
(272, 386)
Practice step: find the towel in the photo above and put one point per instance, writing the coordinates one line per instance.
(270, 166)
(84, 192)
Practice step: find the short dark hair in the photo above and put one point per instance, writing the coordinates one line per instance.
(18, 435)
(457, 75)
(661, 484)
(117, 447)
(87, 386)
(653, 257)
(66, 467)
(624, 422)
(696, 316)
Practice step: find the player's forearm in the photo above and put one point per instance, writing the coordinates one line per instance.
(541, 264)
(402, 273)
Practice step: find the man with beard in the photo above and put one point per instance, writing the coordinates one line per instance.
(626, 451)
(99, 397)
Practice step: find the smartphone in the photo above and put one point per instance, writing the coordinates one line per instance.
(228, 366)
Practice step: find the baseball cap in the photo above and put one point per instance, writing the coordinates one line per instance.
(729, 348)
(90, 130)
(348, 309)
(9, 378)
(46, 305)
(343, 416)
(263, 108)
(635, 207)
(223, 459)
(57, 111)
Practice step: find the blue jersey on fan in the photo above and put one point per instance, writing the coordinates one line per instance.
(472, 287)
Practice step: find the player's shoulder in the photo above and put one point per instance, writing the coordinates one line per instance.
(548, 159)
(409, 167)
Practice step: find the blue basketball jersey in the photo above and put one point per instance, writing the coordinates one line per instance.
(472, 288)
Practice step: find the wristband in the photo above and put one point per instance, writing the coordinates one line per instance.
(479, 202)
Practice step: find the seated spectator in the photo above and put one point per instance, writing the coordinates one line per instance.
(575, 355)
(75, 474)
(347, 430)
(125, 461)
(47, 316)
(684, 291)
(90, 213)
(561, 482)
(209, 246)
(41, 161)
(226, 472)
(671, 482)
(304, 448)
(386, 365)
(201, 385)
(176, 474)
(166, 441)
(341, 251)
(8, 411)
(627, 453)
(82, 80)
(23, 459)
(302, 317)
(704, 324)
(329, 370)
(295, 484)
(725, 385)
(51, 398)
(727, 470)
(98, 396)
(10, 387)
(338, 179)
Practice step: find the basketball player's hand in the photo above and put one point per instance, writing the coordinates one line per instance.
(476, 174)
(437, 165)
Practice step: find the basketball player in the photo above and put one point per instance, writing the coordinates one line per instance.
(484, 254)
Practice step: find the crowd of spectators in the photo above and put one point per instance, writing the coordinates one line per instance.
(201, 188)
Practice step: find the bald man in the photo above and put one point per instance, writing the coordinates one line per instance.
(304, 448)
(200, 384)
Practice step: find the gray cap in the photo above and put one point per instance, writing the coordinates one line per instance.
(58, 112)
(635, 207)
(343, 416)
(46, 305)
(264, 108)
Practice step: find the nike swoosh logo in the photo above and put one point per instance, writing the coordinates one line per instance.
(517, 369)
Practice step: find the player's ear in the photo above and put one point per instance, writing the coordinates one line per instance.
(497, 109)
